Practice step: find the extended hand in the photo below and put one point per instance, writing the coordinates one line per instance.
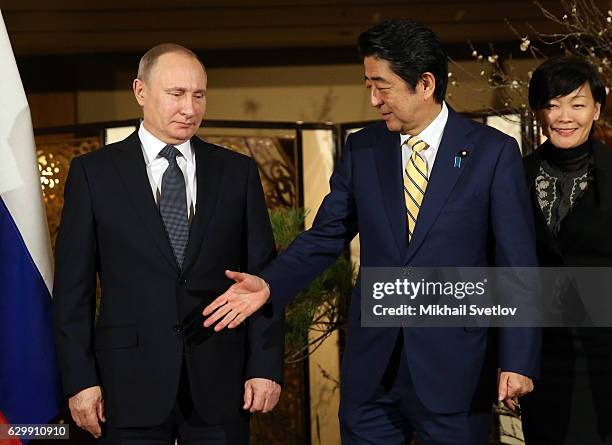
(261, 395)
(86, 408)
(511, 386)
(241, 300)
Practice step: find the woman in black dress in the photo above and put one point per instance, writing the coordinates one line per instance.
(570, 177)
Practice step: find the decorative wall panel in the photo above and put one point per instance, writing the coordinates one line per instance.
(277, 162)
(54, 154)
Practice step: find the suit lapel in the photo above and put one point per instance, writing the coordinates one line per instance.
(389, 168)
(209, 170)
(133, 172)
(443, 177)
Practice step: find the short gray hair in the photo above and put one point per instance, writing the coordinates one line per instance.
(148, 60)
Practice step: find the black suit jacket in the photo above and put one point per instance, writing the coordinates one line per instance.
(150, 312)
(584, 238)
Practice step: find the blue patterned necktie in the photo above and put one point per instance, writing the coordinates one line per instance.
(173, 204)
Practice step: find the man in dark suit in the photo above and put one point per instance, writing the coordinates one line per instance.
(158, 217)
(400, 186)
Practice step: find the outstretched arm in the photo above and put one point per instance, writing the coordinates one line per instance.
(310, 254)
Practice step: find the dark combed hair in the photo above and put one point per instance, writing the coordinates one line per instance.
(559, 76)
(411, 50)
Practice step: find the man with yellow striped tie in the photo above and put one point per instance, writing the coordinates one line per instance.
(426, 187)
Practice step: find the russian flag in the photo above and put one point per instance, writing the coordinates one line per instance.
(30, 390)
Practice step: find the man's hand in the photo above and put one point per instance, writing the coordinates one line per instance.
(511, 386)
(241, 300)
(87, 408)
(261, 395)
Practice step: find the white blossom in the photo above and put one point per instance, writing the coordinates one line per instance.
(525, 45)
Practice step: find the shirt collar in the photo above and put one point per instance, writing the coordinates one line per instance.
(432, 134)
(152, 146)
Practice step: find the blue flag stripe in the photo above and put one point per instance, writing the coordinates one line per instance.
(30, 390)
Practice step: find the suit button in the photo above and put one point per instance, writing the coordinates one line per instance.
(178, 329)
(182, 281)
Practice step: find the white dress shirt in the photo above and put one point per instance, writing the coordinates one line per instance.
(157, 165)
(432, 135)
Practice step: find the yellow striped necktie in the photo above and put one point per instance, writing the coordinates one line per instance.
(415, 181)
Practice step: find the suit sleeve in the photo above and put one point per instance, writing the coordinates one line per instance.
(74, 289)
(317, 248)
(515, 246)
(265, 328)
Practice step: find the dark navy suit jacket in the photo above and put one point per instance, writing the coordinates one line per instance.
(475, 215)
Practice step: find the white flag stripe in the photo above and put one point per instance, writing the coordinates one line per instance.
(20, 179)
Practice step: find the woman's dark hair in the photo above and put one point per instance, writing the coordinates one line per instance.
(559, 76)
(411, 50)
